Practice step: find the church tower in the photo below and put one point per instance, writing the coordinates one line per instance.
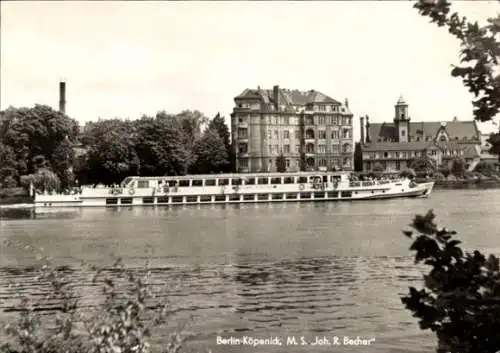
(402, 120)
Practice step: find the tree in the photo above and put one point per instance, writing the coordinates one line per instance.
(358, 158)
(480, 56)
(43, 180)
(160, 146)
(458, 167)
(111, 156)
(281, 163)
(423, 164)
(408, 173)
(33, 133)
(191, 123)
(8, 166)
(210, 154)
(218, 124)
(461, 298)
(378, 167)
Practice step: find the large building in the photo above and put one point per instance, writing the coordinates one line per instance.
(310, 129)
(393, 145)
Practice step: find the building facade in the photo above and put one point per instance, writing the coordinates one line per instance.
(310, 129)
(392, 146)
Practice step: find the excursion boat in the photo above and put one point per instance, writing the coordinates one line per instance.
(236, 188)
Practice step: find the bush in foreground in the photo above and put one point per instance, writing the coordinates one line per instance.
(461, 298)
(122, 323)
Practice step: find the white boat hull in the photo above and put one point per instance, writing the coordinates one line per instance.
(227, 194)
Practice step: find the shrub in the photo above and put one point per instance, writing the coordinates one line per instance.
(408, 173)
(378, 167)
(122, 323)
(461, 298)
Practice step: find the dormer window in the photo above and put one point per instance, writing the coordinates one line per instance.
(403, 116)
(442, 138)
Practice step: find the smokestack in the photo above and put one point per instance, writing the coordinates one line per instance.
(362, 127)
(62, 97)
(368, 137)
(276, 95)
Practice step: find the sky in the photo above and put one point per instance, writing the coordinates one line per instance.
(125, 59)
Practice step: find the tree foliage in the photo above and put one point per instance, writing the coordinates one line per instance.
(210, 154)
(358, 158)
(43, 180)
(29, 135)
(218, 124)
(479, 58)
(461, 298)
(458, 167)
(423, 164)
(281, 163)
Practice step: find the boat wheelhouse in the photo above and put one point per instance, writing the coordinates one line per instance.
(237, 188)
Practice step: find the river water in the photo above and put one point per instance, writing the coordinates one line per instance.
(308, 269)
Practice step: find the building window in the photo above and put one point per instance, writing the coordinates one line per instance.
(309, 120)
(243, 163)
(297, 148)
(270, 149)
(398, 165)
(386, 154)
(297, 134)
(276, 148)
(321, 120)
(322, 134)
(286, 149)
(242, 119)
(286, 120)
(322, 108)
(270, 134)
(286, 134)
(335, 134)
(309, 134)
(276, 134)
(347, 162)
(310, 148)
(397, 154)
(403, 132)
(345, 134)
(287, 161)
(322, 163)
(242, 133)
(346, 148)
(321, 148)
(243, 148)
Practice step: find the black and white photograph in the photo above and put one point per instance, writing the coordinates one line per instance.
(250, 176)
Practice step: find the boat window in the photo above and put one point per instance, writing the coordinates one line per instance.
(305, 195)
(148, 200)
(112, 201)
(172, 182)
(222, 182)
(210, 182)
(143, 184)
(234, 197)
(191, 198)
(250, 181)
(220, 197)
(319, 195)
(346, 193)
(236, 181)
(291, 196)
(206, 198)
(126, 181)
(126, 200)
(177, 199)
(162, 199)
(302, 180)
(184, 182)
(263, 197)
(333, 194)
(263, 181)
(288, 180)
(249, 197)
(197, 182)
(275, 180)
(277, 197)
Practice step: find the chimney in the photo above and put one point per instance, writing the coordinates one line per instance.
(346, 103)
(362, 127)
(276, 95)
(368, 137)
(62, 97)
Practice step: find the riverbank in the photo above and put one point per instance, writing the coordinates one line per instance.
(14, 196)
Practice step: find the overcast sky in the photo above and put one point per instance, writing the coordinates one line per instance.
(125, 59)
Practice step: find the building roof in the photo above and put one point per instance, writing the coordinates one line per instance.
(470, 150)
(287, 97)
(454, 129)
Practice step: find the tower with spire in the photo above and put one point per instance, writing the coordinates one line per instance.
(402, 120)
